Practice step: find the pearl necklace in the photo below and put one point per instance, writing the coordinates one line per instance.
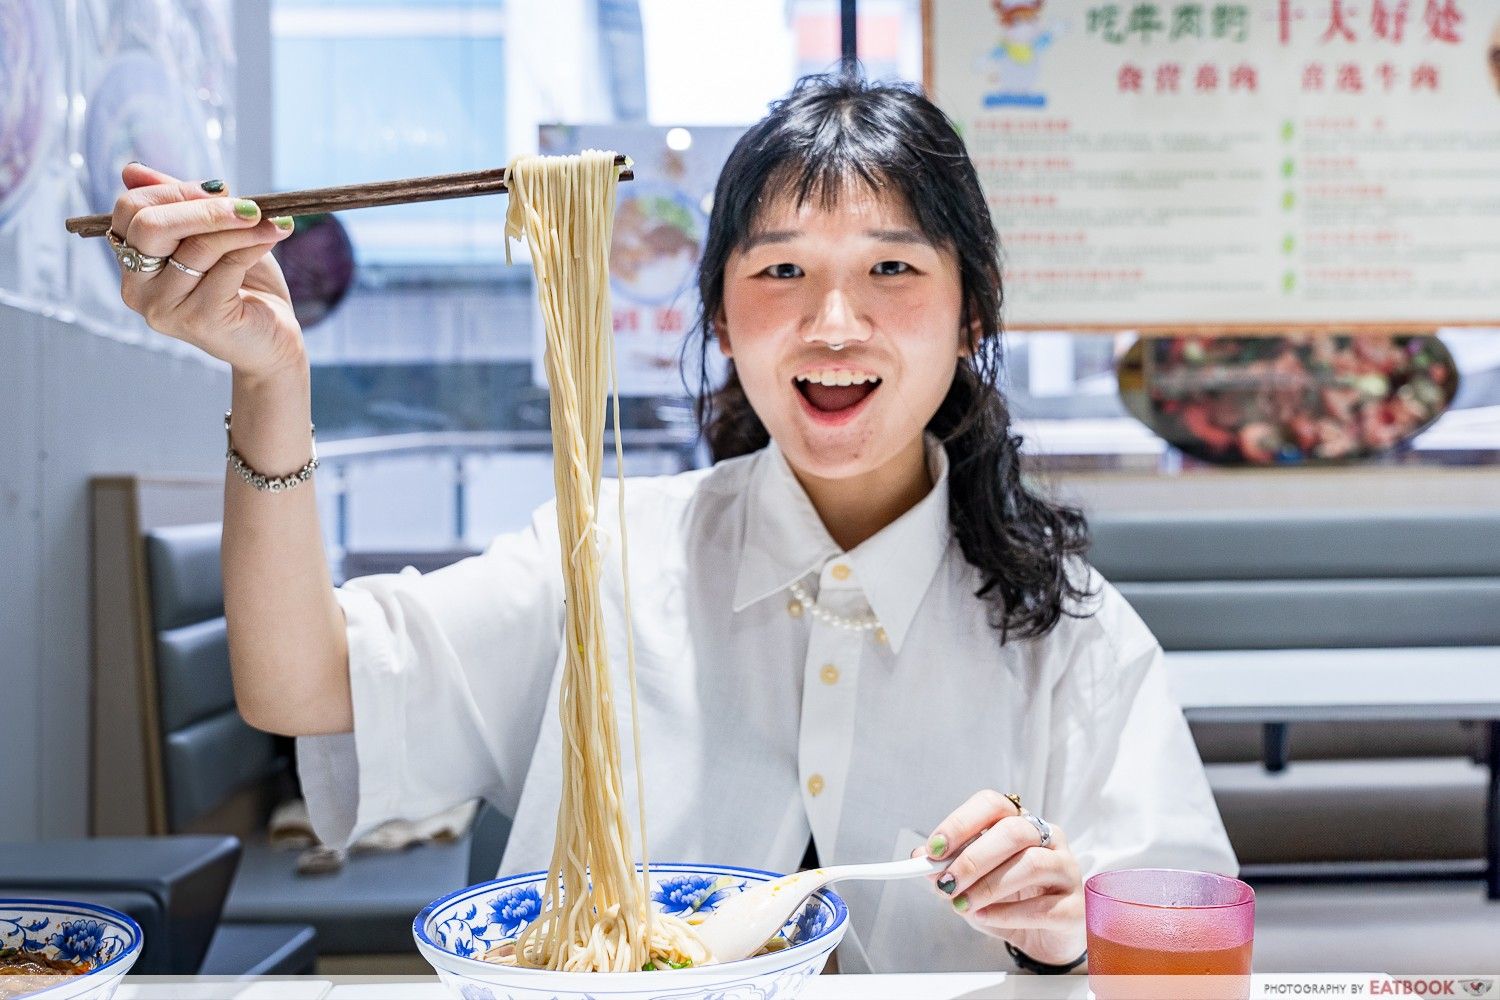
(803, 601)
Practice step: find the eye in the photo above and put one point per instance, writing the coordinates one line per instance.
(783, 271)
(891, 267)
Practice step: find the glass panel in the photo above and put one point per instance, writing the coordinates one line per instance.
(394, 90)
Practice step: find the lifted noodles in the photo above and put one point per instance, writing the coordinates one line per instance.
(596, 908)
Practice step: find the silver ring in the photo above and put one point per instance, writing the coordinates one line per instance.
(132, 259)
(191, 272)
(1043, 829)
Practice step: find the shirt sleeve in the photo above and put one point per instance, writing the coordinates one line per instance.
(1131, 791)
(449, 673)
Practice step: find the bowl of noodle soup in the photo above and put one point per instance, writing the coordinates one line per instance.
(64, 950)
(456, 932)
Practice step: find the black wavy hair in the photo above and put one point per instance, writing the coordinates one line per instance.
(837, 129)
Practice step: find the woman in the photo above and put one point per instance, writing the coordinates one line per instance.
(854, 632)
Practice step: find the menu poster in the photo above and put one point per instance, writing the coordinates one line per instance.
(661, 221)
(1222, 165)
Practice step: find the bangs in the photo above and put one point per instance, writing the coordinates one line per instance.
(827, 155)
(804, 181)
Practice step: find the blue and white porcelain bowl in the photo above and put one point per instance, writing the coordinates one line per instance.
(107, 939)
(453, 932)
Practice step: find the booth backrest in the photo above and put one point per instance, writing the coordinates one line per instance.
(1307, 581)
(1312, 580)
(208, 752)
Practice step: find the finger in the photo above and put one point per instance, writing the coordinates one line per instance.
(202, 253)
(995, 847)
(982, 811)
(137, 174)
(1050, 912)
(146, 186)
(157, 229)
(1034, 870)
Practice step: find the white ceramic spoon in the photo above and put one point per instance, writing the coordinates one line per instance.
(739, 926)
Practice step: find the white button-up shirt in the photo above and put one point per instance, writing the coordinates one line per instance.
(759, 725)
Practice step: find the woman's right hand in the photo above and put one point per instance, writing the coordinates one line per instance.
(240, 311)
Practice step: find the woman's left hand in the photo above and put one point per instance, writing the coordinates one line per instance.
(1007, 885)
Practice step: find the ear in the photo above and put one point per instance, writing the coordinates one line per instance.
(721, 334)
(968, 340)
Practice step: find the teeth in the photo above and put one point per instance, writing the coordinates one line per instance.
(839, 377)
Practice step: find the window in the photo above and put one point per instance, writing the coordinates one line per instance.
(373, 91)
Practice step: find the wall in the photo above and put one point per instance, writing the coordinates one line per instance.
(73, 404)
(80, 397)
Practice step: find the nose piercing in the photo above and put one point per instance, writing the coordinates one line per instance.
(839, 346)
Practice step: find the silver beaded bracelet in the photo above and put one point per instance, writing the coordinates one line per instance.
(269, 484)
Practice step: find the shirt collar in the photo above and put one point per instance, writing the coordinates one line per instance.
(785, 540)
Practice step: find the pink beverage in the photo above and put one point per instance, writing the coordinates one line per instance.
(1150, 922)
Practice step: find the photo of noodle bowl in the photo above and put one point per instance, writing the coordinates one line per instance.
(1286, 400)
(467, 936)
(658, 236)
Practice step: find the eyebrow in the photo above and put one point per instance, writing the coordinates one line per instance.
(769, 236)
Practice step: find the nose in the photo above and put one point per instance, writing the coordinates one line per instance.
(835, 321)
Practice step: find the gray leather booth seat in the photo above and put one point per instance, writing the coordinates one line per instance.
(211, 755)
(174, 888)
(1253, 581)
(208, 752)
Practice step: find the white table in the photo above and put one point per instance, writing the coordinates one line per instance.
(936, 986)
(926, 986)
(1278, 686)
(931, 986)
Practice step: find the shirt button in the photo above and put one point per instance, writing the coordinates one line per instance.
(794, 608)
(815, 785)
(881, 637)
(830, 674)
(840, 571)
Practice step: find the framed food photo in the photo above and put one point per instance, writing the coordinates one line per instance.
(661, 221)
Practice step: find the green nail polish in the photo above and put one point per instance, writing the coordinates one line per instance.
(283, 223)
(213, 186)
(961, 903)
(246, 209)
(947, 884)
(937, 846)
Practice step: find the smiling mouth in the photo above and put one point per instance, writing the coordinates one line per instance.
(835, 391)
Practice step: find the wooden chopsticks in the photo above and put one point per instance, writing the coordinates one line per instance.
(316, 201)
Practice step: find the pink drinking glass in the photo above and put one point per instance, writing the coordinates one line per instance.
(1149, 922)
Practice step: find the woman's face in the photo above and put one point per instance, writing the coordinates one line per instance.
(860, 274)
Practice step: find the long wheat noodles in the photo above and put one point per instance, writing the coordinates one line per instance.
(596, 909)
